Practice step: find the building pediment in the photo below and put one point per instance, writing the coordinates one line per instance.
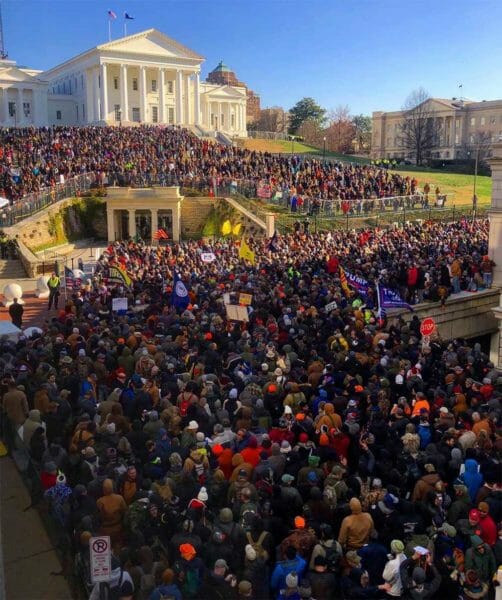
(225, 92)
(17, 75)
(153, 43)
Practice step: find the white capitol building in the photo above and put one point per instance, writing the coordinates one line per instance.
(146, 77)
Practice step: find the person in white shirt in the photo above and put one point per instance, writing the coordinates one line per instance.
(391, 573)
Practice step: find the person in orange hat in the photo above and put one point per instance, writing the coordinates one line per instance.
(189, 570)
(301, 538)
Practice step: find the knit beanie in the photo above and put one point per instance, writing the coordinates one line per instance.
(396, 546)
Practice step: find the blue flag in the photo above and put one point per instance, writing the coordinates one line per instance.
(390, 299)
(179, 296)
(271, 245)
(358, 283)
(127, 16)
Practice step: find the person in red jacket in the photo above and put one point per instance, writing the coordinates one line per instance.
(486, 524)
(412, 281)
(251, 453)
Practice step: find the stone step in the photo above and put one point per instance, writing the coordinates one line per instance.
(12, 269)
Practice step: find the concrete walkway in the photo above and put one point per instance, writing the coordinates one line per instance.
(27, 553)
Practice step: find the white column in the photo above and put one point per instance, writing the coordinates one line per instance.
(219, 116)
(142, 94)
(209, 124)
(95, 95)
(5, 93)
(124, 96)
(188, 100)
(104, 92)
(110, 224)
(197, 99)
(243, 116)
(162, 100)
(179, 97)
(19, 107)
(154, 224)
(132, 222)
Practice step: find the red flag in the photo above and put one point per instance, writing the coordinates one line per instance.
(160, 234)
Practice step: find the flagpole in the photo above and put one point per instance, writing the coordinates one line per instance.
(125, 27)
(378, 301)
(109, 29)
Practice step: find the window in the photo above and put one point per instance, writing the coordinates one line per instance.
(69, 86)
(457, 138)
(154, 85)
(232, 122)
(77, 111)
(135, 84)
(81, 81)
(170, 87)
(135, 114)
(115, 83)
(473, 121)
(12, 109)
(471, 138)
(58, 115)
(222, 121)
(75, 84)
(99, 81)
(53, 90)
(483, 120)
(83, 112)
(116, 110)
(26, 109)
(457, 123)
(155, 114)
(170, 114)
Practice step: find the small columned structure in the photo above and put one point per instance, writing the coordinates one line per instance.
(140, 212)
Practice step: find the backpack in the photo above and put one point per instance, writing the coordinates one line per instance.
(332, 557)
(257, 546)
(189, 581)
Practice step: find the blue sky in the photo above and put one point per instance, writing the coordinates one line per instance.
(365, 54)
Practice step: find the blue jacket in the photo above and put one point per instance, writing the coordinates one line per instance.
(472, 478)
(284, 568)
(166, 591)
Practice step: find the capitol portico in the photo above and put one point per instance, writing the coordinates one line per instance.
(142, 78)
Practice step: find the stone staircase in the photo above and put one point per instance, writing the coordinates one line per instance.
(12, 270)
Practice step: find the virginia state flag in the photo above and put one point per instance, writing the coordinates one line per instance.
(246, 253)
(179, 297)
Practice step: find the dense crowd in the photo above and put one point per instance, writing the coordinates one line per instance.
(33, 159)
(302, 454)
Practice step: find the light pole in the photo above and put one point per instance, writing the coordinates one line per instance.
(324, 148)
(292, 144)
(474, 197)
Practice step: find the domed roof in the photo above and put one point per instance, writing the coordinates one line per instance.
(221, 68)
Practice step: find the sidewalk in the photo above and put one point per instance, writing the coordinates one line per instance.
(26, 552)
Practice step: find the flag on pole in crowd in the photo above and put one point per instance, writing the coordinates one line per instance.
(236, 229)
(246, 253)
(226, 228)
(179, 296)
(358, 283)
(389, 299)
(271, 245)
(160, 234)
(117, 274)
(344, 284)
(70, 280)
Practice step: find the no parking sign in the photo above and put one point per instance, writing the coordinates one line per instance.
(101, 559)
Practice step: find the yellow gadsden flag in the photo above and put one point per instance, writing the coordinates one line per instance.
(246, 253)
(236, 229)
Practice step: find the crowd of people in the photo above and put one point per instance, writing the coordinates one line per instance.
(301, 454)
(35, 159)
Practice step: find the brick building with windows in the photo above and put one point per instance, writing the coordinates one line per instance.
(461, 124)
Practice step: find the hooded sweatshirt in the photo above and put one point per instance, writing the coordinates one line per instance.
(32, 423)
(472, 478)
(356, 528)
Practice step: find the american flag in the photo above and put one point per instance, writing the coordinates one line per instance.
(71, 281)
(160, 234)
(111, 14)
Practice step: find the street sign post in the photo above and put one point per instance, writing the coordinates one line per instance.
(101, 559)
(427, 326)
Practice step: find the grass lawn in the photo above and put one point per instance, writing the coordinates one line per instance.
(460, 185)
(286, 147)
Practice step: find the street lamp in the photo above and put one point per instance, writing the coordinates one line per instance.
(292, 144)
(324, 148)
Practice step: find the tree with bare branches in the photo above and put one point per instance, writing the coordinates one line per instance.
(340, 132)
(419, 131)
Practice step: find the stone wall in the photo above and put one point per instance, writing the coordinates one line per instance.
(194, 213)
(65, 220)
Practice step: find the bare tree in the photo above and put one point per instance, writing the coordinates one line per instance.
(310, 130)
(340, 133)
(419, 131)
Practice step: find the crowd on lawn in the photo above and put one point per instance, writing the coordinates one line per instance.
(302, 453)
(32, 160)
